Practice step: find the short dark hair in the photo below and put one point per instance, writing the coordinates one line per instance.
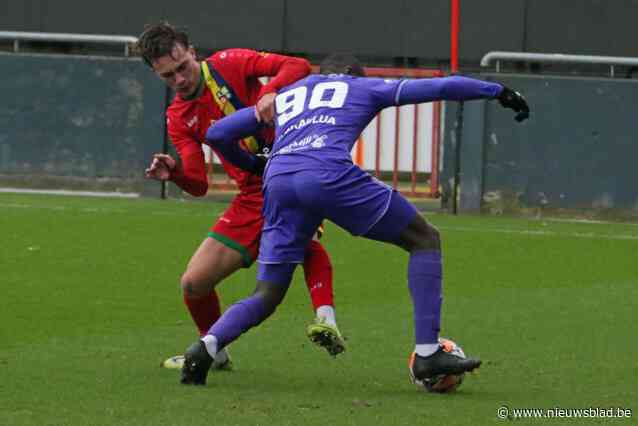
(341, 64)
(158, 40)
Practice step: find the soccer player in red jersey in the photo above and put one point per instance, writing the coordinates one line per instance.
(206, 91)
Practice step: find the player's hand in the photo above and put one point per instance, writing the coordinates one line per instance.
(514, 100)
(265, 108)
(161, 167)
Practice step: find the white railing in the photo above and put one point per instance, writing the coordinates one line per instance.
(498, 56)
(18, 36)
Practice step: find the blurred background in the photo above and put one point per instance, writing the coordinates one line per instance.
(88, 115)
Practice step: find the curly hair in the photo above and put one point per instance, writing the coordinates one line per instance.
(158, 40)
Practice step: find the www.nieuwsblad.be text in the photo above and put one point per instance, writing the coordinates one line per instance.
(505, 412)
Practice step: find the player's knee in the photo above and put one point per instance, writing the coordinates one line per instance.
(194, 288)
(271, 295)
(421, 235)
(430, 239)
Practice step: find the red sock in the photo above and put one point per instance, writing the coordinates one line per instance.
(318, 273)
(204, 310)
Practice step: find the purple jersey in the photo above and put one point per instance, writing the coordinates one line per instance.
(320, 118)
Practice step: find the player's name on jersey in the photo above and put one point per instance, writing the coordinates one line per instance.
(315, 119)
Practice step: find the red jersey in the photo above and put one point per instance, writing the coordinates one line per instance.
(188, 120)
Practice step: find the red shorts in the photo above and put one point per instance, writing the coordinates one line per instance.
(239, 227)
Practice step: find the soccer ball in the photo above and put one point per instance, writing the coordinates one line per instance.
(444, 383)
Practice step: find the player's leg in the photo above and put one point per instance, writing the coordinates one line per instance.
(286, 233)
(236, 320)
(211, 263)
(364, 206)
(403, 226)
(318, 276)
(232, 244)
(273, 281)
(324, 331)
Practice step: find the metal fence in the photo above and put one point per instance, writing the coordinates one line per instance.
(78, 122)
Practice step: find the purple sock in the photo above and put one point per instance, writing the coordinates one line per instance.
(424, 280)
(237, 319)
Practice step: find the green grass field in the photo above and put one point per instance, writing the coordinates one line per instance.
(90, 307)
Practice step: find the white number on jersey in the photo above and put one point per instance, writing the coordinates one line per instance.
(291, 103)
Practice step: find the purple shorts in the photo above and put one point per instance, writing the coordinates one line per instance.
(296, 203)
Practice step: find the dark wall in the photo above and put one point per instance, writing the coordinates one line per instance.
(16, 15)
(79, 118)
(492, 25)
(92, 17)
(381, 28)
(216, 24)
(578, 150)
(591, 27)
(348, 26)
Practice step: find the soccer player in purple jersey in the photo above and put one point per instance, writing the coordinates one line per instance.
(310, 177)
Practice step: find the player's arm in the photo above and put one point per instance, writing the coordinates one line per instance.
(190, 175)
(457, 88)
(284, 70)
(224, 135)
(454, 88)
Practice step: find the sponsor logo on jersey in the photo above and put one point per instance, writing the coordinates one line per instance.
(320, 142)
(190, 123)
(312, 141)
(224, 94)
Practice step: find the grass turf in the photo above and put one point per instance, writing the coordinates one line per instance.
(90, 307)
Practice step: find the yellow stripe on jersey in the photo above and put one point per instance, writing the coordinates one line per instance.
(226, 107)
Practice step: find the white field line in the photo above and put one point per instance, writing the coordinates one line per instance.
(101, 210)
(62, 208)
(589, 221)
(542, 233)
(67, 192)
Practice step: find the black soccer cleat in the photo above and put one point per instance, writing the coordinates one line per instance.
(197, 362)
(440, 363)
